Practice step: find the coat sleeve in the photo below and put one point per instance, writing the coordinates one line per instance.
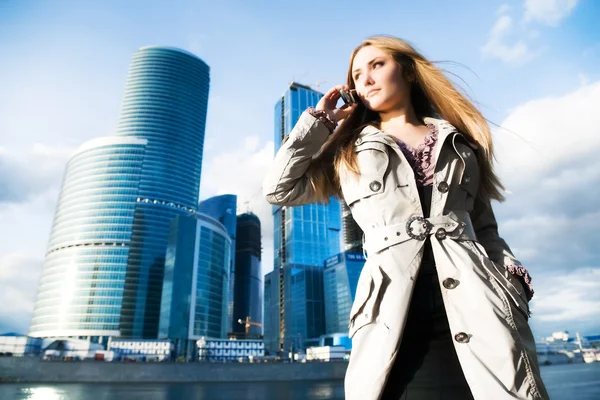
(287, 183)
(486, 229)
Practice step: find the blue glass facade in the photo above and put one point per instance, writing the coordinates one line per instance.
(248, 276)
(82, 286)
(340, 279)
(223, 209)
(104, 267)
(304, 237)
(304, 312)
(196, 279)
(165, 102)
(271, 311)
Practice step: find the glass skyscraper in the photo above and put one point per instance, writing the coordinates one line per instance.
(340, 279)
(248, 276)
(196, 281)
(103, 273)
(303, 313)
(82, 288)
(223, 209)
(304, 237)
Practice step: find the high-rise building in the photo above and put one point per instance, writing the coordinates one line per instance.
(223, 209)
(303, 311)
(104, 267)
(248, 306)
(340, 279)
(304, 236)
(196, 282)
(81, 290)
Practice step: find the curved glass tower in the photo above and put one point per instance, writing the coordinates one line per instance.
(82, 286)
(165, 102)
(196, 284)
(164, 107)
(223, 209)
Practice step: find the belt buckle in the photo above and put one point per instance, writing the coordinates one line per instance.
(427, 226)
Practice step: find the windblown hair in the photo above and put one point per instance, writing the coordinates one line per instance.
(431, 95)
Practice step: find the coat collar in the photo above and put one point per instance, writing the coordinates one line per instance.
(444, 129)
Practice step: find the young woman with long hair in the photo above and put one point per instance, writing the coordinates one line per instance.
(441, 307)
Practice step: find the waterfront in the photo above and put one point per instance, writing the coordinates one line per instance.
(564, 382)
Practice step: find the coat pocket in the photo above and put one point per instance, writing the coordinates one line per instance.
(372, 159)
(366, 302)
(506, 281)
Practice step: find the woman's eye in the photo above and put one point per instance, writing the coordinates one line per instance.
(356, 77)
(378, 63)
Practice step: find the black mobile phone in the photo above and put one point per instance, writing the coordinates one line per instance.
(349, 97)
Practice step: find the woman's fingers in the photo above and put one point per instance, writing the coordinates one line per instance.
(344, 111)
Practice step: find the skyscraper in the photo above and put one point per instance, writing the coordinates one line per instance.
(303, 238)
(196, 284)
(103, 272)
(340, 280)
(248, 276)
(223, 209)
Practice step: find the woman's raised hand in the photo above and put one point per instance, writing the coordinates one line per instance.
(329, 102)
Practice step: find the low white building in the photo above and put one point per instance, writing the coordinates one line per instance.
(325, 353)
(12, 344)
(73, 349)
(229, 349)
(561, 348)
(142, 349)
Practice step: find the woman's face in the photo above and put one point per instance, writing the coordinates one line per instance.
(379, 80)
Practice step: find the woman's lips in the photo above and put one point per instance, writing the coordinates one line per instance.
(371, 92)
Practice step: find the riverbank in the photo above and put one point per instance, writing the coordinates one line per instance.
(32, 369)
(564, 382)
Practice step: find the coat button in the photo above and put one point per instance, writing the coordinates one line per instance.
(375, 186)
(461, 337)
(450, 283)
(443, 187)
(467, 178)
(358, 141)
(440, 234)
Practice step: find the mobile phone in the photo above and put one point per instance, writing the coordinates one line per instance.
(349, 97)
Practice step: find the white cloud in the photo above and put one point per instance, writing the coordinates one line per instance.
(554, 132)
(30, 172)
(548, 12)
(241, 171)
(29, 185)
(507, 43)
(572, 297)
(550, 163)
(19, 276)
(498, 46)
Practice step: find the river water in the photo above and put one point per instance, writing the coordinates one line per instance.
(564, 382)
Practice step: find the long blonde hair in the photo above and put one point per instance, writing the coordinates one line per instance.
(432, 95)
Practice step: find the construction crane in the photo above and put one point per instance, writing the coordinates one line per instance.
(248, 323)
(317, 84)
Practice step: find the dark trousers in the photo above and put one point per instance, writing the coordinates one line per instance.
(426, 366)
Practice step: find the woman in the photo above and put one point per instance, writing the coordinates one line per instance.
(441, 306)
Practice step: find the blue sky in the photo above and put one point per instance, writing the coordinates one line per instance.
(531, 66)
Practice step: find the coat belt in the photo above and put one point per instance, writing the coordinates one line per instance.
(455, 225)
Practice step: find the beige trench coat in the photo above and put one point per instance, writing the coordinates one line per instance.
(487, 308)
